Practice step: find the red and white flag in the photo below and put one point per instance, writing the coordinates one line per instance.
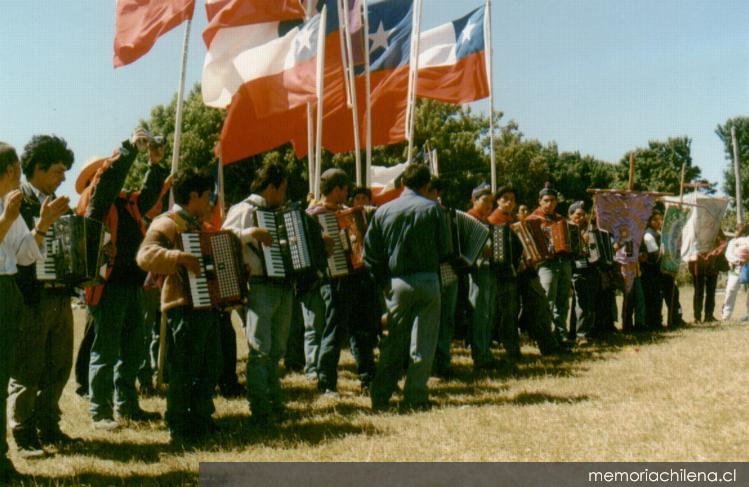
(138, 23)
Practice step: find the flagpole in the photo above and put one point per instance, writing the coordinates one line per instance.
(180, 103)
(175, 167)
(737, 174)
(490, 78)
(352, 86)
(320, 97)
(367, 84)
(310, 127)
(413, 80)
(341, 39)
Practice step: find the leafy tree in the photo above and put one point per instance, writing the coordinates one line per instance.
(742, 140)
(658, 166)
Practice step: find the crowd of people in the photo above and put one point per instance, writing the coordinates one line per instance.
(407, 302)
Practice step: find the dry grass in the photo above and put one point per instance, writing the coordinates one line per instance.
(676, 396)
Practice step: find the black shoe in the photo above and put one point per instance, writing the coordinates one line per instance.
(417, 407)
(28, 443)
(55, 436)
(710, 319)
(140, 415)
(445, 373)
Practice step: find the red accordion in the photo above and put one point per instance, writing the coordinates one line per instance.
(534, 240)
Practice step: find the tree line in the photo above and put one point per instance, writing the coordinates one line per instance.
(461, 138)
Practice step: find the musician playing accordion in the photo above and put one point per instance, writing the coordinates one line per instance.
(269, 305)
(17, 246)
(194, 353)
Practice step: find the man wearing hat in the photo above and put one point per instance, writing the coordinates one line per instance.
(45, 352)
(556, 272)
(482, 291)
(116, 307)
(586, 280)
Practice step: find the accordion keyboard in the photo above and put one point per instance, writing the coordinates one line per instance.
(300, 256)
(225, 265)
(199, 293)
(337, 263)
(45, 269)
(273, 256)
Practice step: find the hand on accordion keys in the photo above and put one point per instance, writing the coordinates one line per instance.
(52, 210)
(329, 244)
(189, 262)
(262, 235)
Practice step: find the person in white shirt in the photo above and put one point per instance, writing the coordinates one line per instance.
(18, 245)
(737, 254)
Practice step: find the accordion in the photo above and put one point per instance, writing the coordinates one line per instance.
(347, 227)
(74, 252)
(469, 236)
(297, 243)
(565, 238)
(600, 250)
(534, 241)
(223, 280)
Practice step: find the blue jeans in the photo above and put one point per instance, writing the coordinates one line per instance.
(267, 330)
(117, 350)
(556, 279)
(413, 304)
(587, 285)
(483, 296)
(313, 311)
(194, 366)
(443, 357)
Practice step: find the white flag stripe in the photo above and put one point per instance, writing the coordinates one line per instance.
(220, 78)
(272, 57)
(438, 47)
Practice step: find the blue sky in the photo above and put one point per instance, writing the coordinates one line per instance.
(598, 76)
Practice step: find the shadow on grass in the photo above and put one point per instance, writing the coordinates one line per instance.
(93, 479)
(121, 451)
(238, 431)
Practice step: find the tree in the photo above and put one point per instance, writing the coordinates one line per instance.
(742, 140)
(658, 166)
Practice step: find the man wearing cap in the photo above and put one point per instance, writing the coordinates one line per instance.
(328, 310)
(482, 291)
(404, 245)
(116, 307)
(556, 272)
(18, 245)
(45, 352)
(516, 283)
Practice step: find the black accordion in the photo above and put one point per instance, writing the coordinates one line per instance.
(297, 250)
(222, 281)
(75, 254)
(506, 249)
(468, 238)
(600, 249)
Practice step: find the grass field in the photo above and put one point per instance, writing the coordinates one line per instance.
(673, 396)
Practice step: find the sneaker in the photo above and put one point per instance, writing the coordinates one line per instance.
(106, 424)
(140, 415)
(28, 444)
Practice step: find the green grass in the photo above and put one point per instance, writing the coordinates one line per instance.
(673, 396)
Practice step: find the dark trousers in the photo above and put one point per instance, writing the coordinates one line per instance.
(364, 325)
(228, 380)
(652, 288)
(535, 315)
(83, 357)
(11, 313)
(194, 366)
(705, 283)
(508, 303)
(587, 284)
(294, 357)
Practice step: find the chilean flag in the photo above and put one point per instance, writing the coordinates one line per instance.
(389, 43)
(138, 23)
(452, 66)
(276, 77)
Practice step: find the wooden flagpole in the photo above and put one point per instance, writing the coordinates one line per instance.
(310, 127)
(737, 174)
(368, 100)
(320, 97)
(349, 64)
(490, 79)
(413, 79)
(175, 167)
